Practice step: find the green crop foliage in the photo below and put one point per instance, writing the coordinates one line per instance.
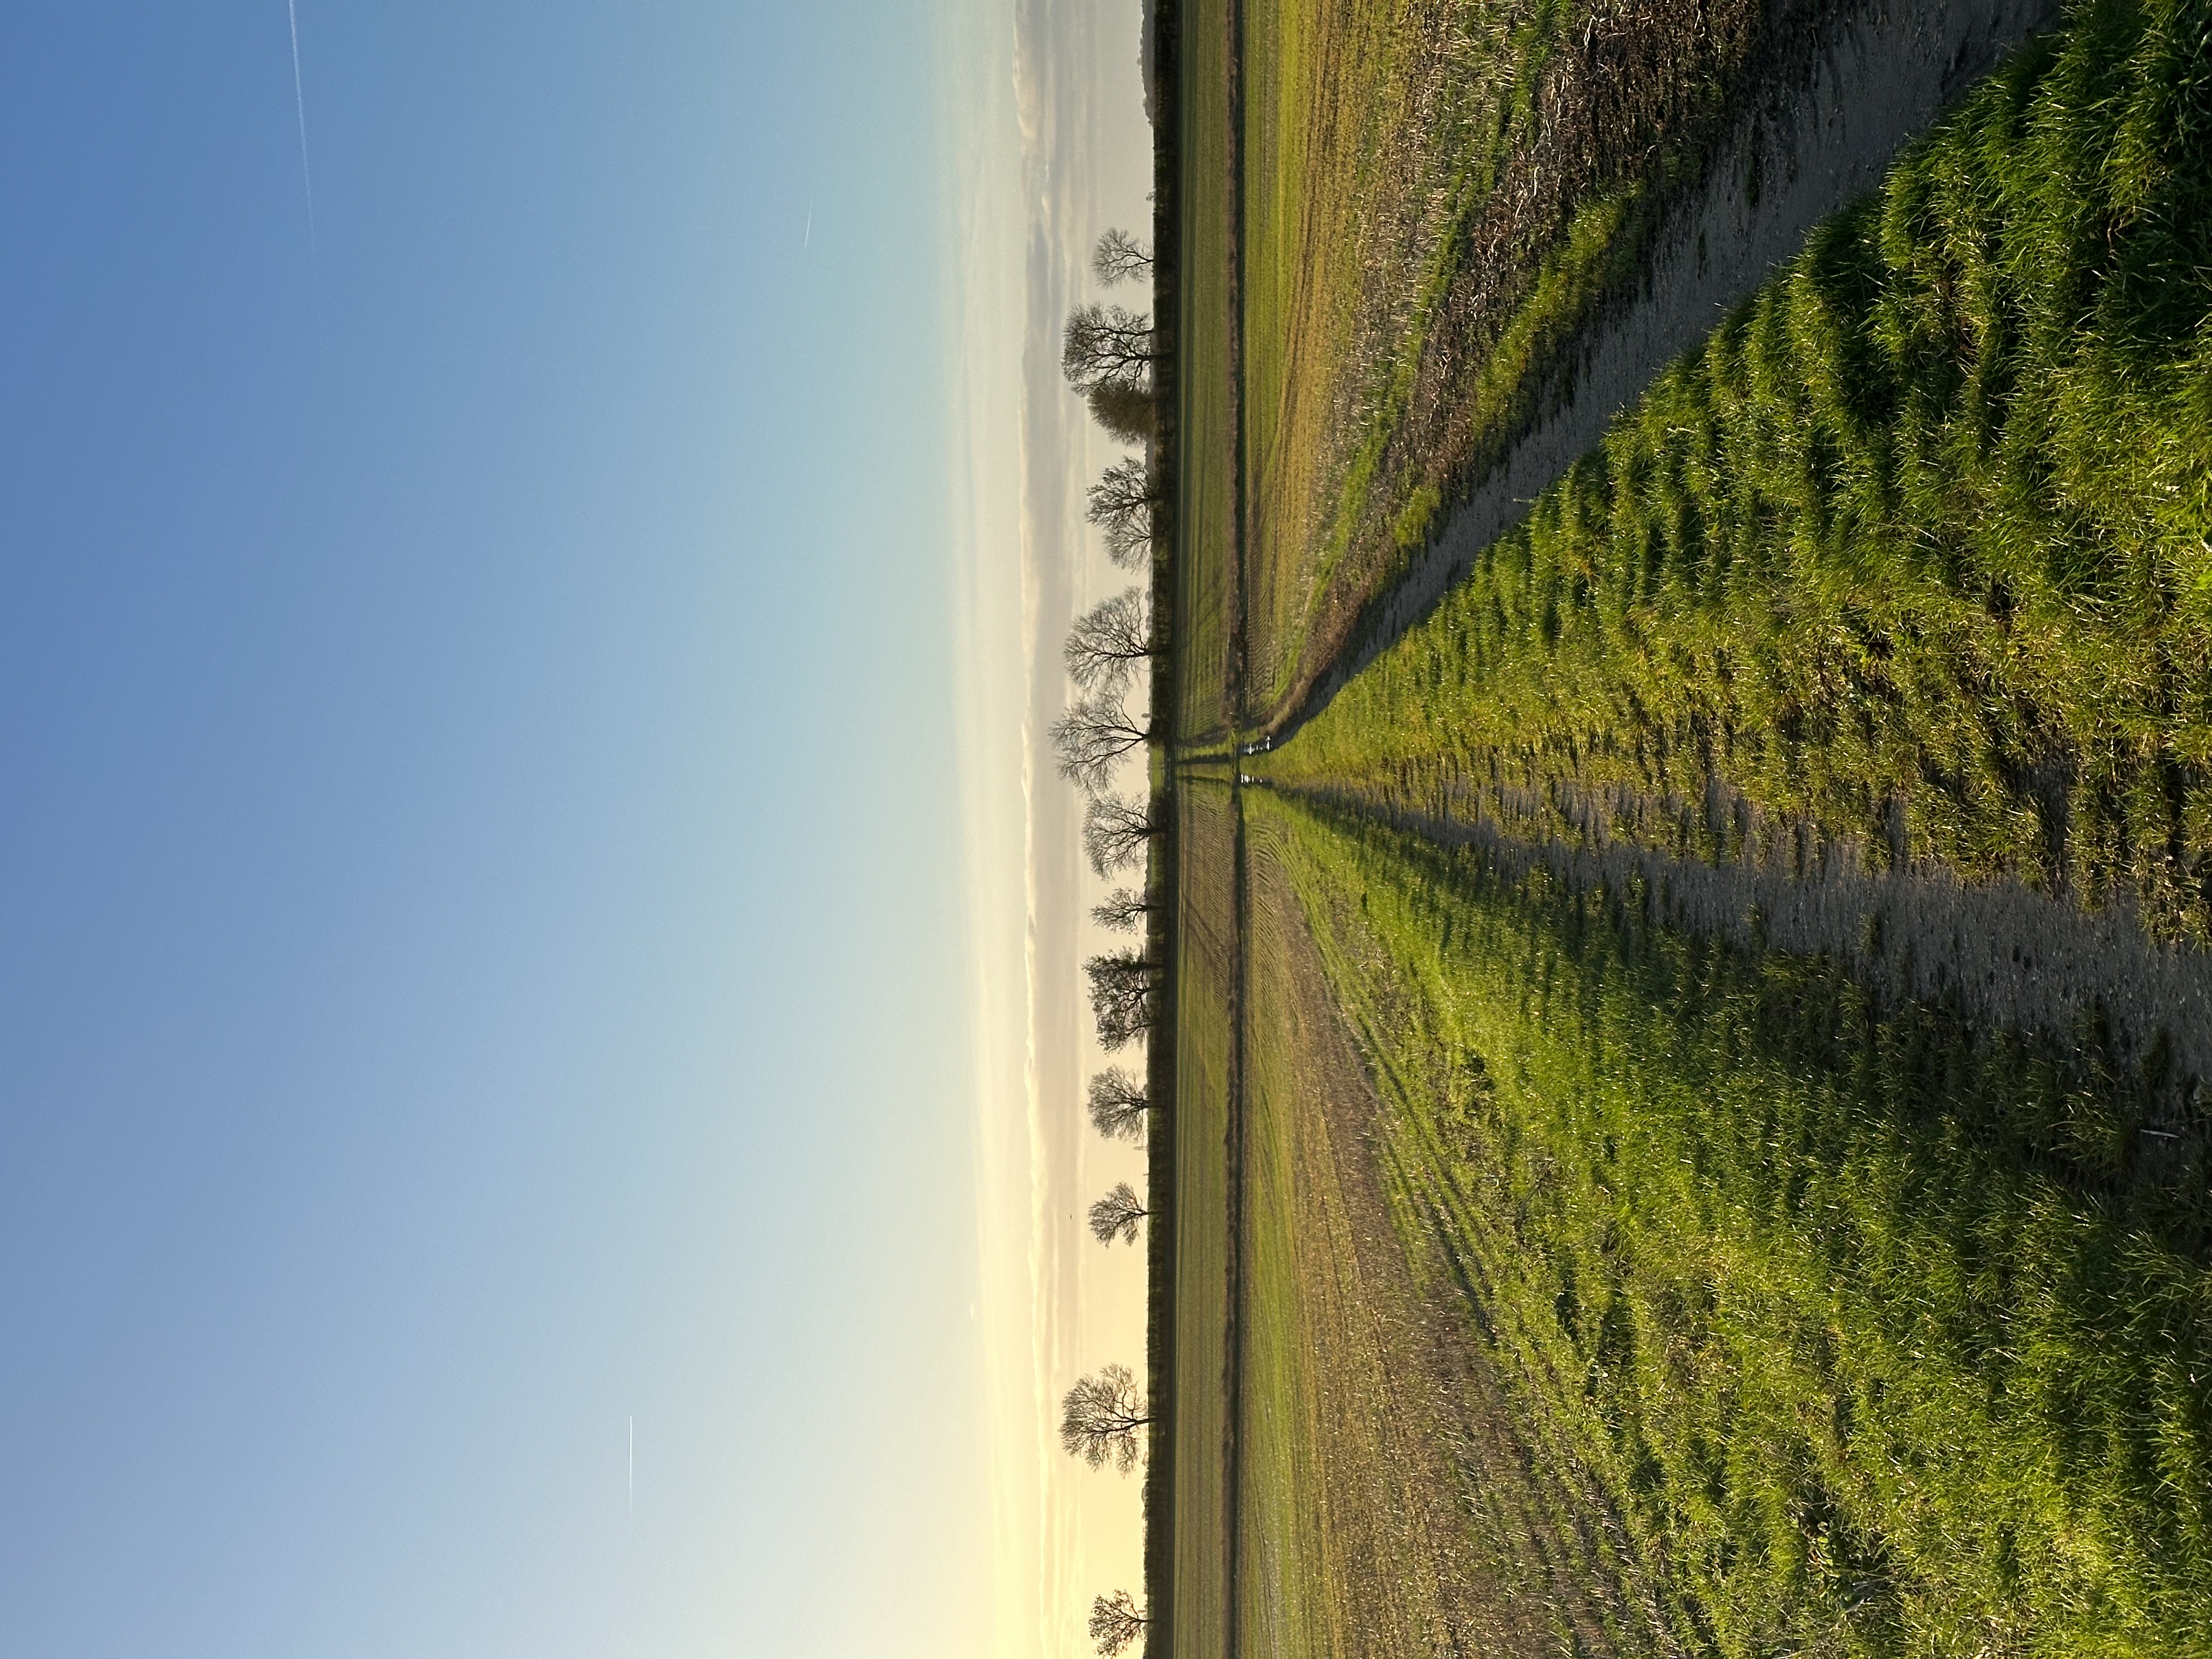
(1880, 1335)
(1915, 552)
(1197, 1598)
(1439, 194)
(1389, 1500)
(1205, 558)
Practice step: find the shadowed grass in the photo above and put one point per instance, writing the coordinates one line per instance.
(1390, 1501)
(1883, 1336)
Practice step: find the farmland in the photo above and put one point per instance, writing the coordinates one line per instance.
(1880, 1333)
(1691, 1037)
(1439, 200)
(1913, 554)
(1390, 1500)
(1206, 969)
(1209, 597)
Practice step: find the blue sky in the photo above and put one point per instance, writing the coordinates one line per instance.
(481, 927)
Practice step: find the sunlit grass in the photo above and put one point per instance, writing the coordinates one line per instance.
(1439, 195)
(1205, 971)
(1913, 552)
(1206, 561)
(1882, 1336)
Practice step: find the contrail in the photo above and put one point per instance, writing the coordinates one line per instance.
(633, 1470)
(300, 100)
(808, 240)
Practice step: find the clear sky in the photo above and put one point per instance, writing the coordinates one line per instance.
(488, 948)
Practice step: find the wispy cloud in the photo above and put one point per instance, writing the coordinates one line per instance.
(300, 103)
(1049, 143)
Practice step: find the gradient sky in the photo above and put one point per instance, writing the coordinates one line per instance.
(1049, 147)
(489, 942)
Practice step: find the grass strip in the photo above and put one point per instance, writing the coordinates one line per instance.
(1390, 1501)
(1881, 1335)
(1199, 1447)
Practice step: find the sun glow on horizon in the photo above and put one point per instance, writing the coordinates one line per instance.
(1025, 118)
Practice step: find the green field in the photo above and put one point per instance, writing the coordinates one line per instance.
(1437, 198)
(1881, 1334)
(1913, 554)
(1332, 1560)
(1207, 508)
(1392, 1500)
(1559, 1268)
(1205, 978)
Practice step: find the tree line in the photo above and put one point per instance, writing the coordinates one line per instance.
(1108, 355)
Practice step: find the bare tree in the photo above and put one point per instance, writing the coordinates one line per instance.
(1125, 408)
(1115, 1622)
(1100, 1418)
(1116, 1215)
(1124, 908)
(1114, 830)
(1121, 987)
(1092, 736)
(1109, 640)
(1119, 257)
(1103, 343)
(1122, 504)
(1118, 1105)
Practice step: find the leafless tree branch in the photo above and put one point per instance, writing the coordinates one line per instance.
(1114, 830)
(1108, 641)
(1119, 257)
(1100, 1419)
(1091, 737)
(1117, 1215)
(1124, 910)
(1103, 343)
(1121, 1002)
(1122, 504)
(1118, 1105)
(1115, 1623)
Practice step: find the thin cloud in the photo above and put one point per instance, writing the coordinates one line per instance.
(300, 102)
